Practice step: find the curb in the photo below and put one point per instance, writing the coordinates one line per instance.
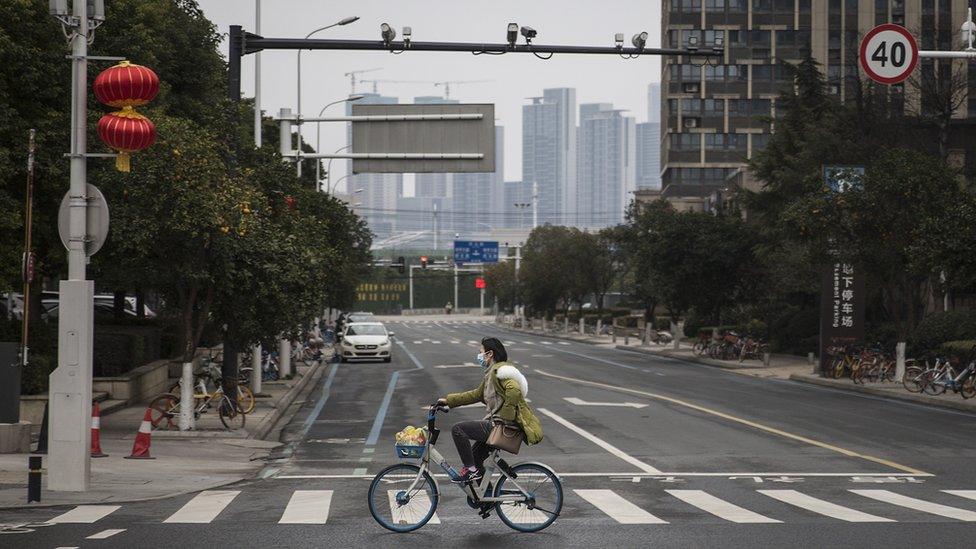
(587, 340)
(962, 406)
(693, 359)
(137, 500)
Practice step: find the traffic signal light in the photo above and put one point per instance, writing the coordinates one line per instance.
(423, 262)
(403, 264)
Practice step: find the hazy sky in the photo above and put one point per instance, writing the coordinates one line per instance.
(514, 77)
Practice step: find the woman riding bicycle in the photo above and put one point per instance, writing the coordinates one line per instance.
(503, 391)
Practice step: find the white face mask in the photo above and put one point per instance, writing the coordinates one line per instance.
(482, 360)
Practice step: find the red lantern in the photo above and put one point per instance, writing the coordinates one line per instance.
(126, 85)
(126, 131)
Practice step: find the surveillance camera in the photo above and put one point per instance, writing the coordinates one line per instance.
(639, 40)
(407, 34)
(529, 33)
(387, 32)
(512, 34)
(619, 39)
(693, 43)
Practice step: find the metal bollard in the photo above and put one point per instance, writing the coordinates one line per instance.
(766, 357)
(811, 362)
(33, 479)
(627, 337)
(613, 334)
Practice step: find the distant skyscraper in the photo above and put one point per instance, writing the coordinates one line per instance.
(649, 155)
(380, 190)
(476, 202)
(607, 168)
(549, 153)
(517, 204)
(654, 102)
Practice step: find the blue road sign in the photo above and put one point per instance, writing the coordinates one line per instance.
(474, 251)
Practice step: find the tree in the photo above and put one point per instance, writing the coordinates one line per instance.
(546, 271)
(500, 278)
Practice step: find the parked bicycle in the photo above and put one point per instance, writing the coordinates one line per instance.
(166, 407)
(403, 497)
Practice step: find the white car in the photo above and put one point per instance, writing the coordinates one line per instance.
(366, 341)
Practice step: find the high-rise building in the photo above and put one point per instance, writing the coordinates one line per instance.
(549, 153)
(714, 116)
(476, 201)
(649, 155)
(380, 191)
(654, 102)
(517, 205)
(606, 165)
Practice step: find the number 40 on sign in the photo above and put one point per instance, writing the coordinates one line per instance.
(888, 54)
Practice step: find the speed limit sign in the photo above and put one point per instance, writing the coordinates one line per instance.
(889, 53)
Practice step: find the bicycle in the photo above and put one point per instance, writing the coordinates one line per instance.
(167, 406)
(245, 397)
(404, 496)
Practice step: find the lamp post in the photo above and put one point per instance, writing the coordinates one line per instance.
(328, 170)
(318, 132)
(298, 112)
(333, 187)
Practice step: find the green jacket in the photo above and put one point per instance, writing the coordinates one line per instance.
(512, 387)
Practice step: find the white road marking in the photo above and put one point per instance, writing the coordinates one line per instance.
(542, 356)
(822, 507)
(888, 496)
(204, 507)
(602, 443)
(509, 343)
(719, 507)
(106, 533)
(410, 513)
(626, 474)
(436, 342)
(969, 494)
(359, 471)
(562, 343)
(618, 508)
(528, 343)
(85, 514)
(546, 342)
(455, 341)
(465, 365)
(307, 507)
(581, 402)
(417, 342)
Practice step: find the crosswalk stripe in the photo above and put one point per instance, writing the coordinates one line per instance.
(417, 342)
(528, 343)
(822, 507)
(968, 494)
(719, 507)
(562, 343)
(85, 514)
(402, 513)
(204, 507)
(888, 496)
(455, 341)
(546, 342)
(307, 507)
(618, 508)
(106, 533)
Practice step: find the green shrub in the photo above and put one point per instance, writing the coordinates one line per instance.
(962, 349)
(34, 378)
(938, 328)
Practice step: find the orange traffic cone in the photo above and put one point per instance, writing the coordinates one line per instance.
(140, 449)
(96, 445)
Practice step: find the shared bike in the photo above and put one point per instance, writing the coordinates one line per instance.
(403, 497)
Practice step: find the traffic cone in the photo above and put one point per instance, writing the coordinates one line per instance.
(96, 445)
(140, 449)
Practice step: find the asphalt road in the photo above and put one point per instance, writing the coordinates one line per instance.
(684, 455)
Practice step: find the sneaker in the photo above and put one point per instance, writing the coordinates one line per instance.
(469, 474)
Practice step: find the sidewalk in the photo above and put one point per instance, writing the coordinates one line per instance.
(890, 390)
(185, 462)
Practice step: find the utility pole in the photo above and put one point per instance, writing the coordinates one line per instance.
(457, 305)
(69, 457)
(435, 226)
(411, 286)
(257, 78)
(518, 294)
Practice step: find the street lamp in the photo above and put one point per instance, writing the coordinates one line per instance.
(333, 187)
(328, 170)
(298, 112)
(318, 132)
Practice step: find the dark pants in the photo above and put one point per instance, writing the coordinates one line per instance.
(477, 431)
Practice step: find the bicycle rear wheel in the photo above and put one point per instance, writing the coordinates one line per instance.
(395, 505)
(230, 414)
(543, 501)
(162, 410)
(913, 379)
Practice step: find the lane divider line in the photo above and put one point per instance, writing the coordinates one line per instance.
(326, 389)
(601, 443)
(742, 421)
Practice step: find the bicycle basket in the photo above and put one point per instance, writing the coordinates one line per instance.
(409, 451)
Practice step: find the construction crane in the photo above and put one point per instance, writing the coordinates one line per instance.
(447, 85)
(352, 78)
(384, 81)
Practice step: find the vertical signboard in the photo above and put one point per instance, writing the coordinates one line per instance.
(841, 310)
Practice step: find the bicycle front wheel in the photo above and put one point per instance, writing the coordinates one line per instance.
(399, 500)
(162, 410)
(541, 502)
(913, 379)
(230, 414)
(245, 398)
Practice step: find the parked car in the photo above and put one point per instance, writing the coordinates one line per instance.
(366, 341)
